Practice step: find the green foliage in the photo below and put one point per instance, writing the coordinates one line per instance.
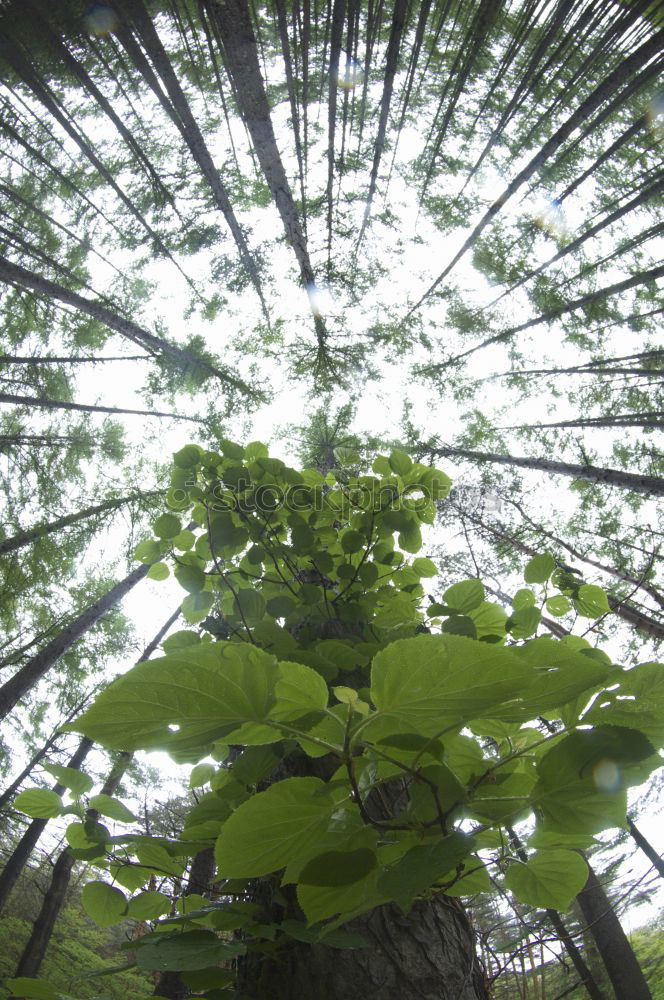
(283, 558)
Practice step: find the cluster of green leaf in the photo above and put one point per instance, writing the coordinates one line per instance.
(379, 752)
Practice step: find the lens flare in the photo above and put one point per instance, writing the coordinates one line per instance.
(551, 220)
(606, 775)
(101, 20)
(350, 76)
(320, 300)
(655, 115)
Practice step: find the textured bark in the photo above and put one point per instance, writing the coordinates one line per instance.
(40, 530)
(337, 25)
(26, 844)
(428, 954)
(47, 359)
(32, 672)
(612, 943)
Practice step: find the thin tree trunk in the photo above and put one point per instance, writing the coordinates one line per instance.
(184, 358)
(32, 672)
(393, 46)
(54, 404)
(641, 278)
(656, 859)
(54, 899)
(201, 874)
(40, 530)
(612, 943)
(601, 93)
(56, 735)
(26, 844)
(554, 918)
(652, 419)
(338, 12)
(37, 359)
(649, 485)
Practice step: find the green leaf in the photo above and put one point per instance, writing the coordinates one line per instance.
(191, 578)
(32, 989)
(273, 828)
(158, 571)
(210, 686)
(550, 879)
(105, 904)
(460, 625)
(250, 603)
(353, 541)
(320, 902)
(524, 622)
(280, 606)
(167, 526)
(591, 601)
(187, 457)
(539, 568)
(113, 808)
(424, 566)
(464, 596)
(558, 605)
(40, 803)
(78, 781)
(185, 951)
(423, 865)
(583, 753)
(338, 867)
(195, 607)
(523, 598)
(400, 462)
(428, 682)
(148, 905)
(201, 774)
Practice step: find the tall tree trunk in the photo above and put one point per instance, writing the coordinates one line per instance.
(201, 874)
(650, 485)
(47, 359)
(612, 943)
(612, 83)
(184, 358)
(40, 530)
(35, 949)
(641, 278)
(338, 12)
(428, 954)
(235, 28)
(32, 672)
(393, 46)
(55, 404)
(26, 844)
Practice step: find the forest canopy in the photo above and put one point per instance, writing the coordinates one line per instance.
(330, 557)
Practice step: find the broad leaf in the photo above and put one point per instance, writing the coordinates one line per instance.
(148, 905)
(77, 781)
(550, 879)
(40, 803)
(423, 865)
(104, 903)
(186, 951)
(113, 808)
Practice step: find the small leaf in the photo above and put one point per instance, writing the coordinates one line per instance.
(591, 601)
(40, 803)
(105, 904)
(167, 526)
(201, 774)
(113, 808)
(77, 781)
(423, 865)
(158, 571)
(558, 605)
(539, 568)
(424, 566)
(464, 596)
(523, 598)
(400, 462)
(148, 905)
(550, 879)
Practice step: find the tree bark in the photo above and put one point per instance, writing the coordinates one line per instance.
(26, 844)
(649, 485)
(612, 943)
(40, 530)
(29, 674)
(428, 954)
